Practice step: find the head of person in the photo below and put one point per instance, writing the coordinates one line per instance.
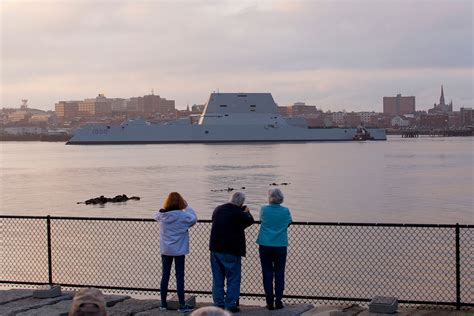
(174, 201)
(238, 198)
(210, 311)
(88, 302)
(275, 196)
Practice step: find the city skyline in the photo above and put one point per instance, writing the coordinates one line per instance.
(335, 55)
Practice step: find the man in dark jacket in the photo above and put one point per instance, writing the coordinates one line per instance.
(227, 247)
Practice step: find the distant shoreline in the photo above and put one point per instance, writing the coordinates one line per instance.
(65, 138)
(34, 138)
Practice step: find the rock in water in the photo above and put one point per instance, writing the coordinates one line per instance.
(117, 199)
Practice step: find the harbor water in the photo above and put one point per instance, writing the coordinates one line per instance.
(423, 180)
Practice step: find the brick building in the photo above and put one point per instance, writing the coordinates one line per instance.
(67, 109)
(98, 106)
(434, 121)
(466, 116)
(301, 109)
(398, 105)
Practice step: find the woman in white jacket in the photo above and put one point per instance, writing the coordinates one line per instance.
(175, 218)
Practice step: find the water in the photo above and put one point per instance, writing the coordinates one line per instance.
(425, 180)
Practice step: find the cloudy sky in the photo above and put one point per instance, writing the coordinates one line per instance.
(333, 54)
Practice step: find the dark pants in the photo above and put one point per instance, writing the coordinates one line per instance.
(167, 262)
(273, 260)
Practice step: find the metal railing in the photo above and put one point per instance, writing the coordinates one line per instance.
(352, 262)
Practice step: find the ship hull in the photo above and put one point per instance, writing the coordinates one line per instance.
(158, 134)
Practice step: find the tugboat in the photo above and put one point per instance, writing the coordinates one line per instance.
(362, 134)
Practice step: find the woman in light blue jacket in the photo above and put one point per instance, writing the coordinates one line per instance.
(273, 242)
(175, 218)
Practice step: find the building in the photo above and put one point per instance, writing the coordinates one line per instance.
(197, 108)
(466, 116)
(67, 109)
(320, 121)
(301, 109)
(150, 105)
(40, 118)
(118, 105)
(442, 107)
(131, 104)
(19, 116)
(440, 121)
(365, 117)
(380, 120)
(98, 106)
(352, 119)
(398, 105)
(283, 111)
(399, 121)
(338, 118)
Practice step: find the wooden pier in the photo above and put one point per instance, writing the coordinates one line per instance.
(437, 133)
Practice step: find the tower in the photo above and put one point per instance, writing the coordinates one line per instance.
(24, 104)
(441, 98)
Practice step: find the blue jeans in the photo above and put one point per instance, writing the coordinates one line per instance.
(273, 260)
(225, 266)
(167, 262)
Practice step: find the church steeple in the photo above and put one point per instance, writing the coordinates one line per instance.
(441, 98)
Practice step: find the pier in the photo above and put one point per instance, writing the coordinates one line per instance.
(436, 132)
(20, 302)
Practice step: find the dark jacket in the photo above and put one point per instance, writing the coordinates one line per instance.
(227, 233)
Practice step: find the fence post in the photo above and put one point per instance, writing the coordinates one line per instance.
(50, 265)
(458, 270)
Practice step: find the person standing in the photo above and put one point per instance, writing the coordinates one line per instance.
(227, 246)
(273, 242)
(175, 218)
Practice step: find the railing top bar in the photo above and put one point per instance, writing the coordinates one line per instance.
(121, 219)
(23, 216)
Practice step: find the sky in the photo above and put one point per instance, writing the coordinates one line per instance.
(337, 55)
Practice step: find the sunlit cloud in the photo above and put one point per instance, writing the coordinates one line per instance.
(329, 53)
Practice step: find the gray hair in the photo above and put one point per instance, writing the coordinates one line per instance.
(210, 311)
(275, 196)
(238, 198)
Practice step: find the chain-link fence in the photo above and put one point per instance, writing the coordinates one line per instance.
(420, 264)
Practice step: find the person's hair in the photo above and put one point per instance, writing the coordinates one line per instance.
(238, 198)
(88, 301)
(275, 196)
(210, 311)
(174, 201)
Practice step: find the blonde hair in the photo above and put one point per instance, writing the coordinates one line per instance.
(174, 201)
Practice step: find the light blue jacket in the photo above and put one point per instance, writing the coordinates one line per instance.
(274, 227)
(174, 225)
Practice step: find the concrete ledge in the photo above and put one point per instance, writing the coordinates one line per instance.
(361, 311)
(62, 308)
(132, 306)
(22, 305)
(14, 295)
(289, 310)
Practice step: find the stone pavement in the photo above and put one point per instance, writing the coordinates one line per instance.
(22, 303)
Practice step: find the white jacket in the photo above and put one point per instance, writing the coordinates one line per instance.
(174, 225)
